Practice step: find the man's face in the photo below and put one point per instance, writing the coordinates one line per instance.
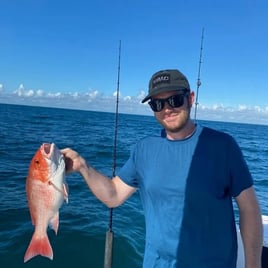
(174, 119)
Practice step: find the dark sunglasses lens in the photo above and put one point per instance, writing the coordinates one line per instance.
(176, 101)
(157, 105)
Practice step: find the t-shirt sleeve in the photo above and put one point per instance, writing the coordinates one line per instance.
(241, 178)
(128, 172)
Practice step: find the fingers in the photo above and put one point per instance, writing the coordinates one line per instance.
(69, 156)
(66, 151)
(69, 153)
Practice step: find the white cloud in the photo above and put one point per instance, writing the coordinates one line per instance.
(75, 95)
(29, 93)
(240, 113)
(39, 93)
(141, 95)
(242, 107)
(1, 88)
(55, 95)
(20, 90)
(115, 94)
(257, 108)
(127, 98)
(217, 107)
(95, 100)
(93, 94)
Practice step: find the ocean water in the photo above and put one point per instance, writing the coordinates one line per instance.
(84, 220)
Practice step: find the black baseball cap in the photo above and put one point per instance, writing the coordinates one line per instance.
(167, 80)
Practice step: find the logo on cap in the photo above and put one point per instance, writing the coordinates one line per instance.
(160, 79)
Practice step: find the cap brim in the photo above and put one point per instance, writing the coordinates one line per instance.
(161, 90)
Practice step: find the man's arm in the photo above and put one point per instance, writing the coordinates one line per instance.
(112, 192)
(250, 227)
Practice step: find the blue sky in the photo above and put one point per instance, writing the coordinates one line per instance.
(65, 53)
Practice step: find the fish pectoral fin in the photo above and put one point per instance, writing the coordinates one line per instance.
(66, 192)
(54, 222)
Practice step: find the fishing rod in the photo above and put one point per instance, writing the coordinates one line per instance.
(198, 77)
(109, 233)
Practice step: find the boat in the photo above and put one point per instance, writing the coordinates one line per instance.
(265, 242)
(240, 256)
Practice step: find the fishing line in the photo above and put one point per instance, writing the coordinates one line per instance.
(109, 233)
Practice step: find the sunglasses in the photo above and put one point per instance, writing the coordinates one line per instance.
(174, 101)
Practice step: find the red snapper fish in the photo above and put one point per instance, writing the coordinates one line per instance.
(46, 190)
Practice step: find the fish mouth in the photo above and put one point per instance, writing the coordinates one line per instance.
(47, 149)
(53, 156)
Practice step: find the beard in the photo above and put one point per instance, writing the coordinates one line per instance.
(176, 120)
(178, 124)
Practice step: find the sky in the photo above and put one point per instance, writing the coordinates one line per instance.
(66, 54)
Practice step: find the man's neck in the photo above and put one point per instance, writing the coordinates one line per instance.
(184, 133)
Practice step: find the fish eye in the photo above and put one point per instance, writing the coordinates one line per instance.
(37, 162)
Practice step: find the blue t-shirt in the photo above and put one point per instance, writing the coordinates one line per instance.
(186, 188)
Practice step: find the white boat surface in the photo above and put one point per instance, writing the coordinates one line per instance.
(240, 254)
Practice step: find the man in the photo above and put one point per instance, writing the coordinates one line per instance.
(187, 177)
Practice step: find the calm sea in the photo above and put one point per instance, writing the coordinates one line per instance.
(84, 220)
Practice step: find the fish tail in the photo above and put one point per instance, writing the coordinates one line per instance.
(39, 246)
